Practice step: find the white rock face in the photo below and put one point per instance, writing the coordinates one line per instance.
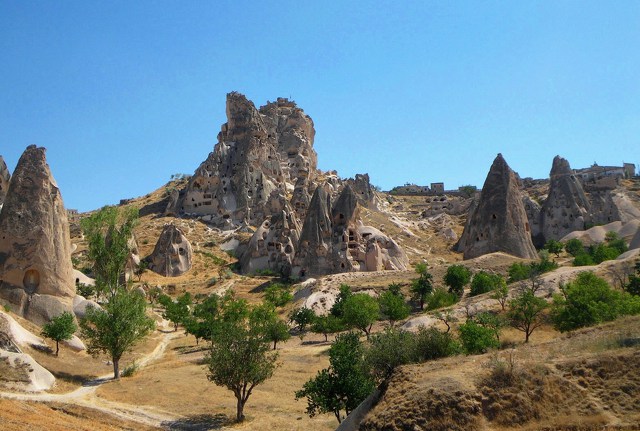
(172, 255)
(29, 375)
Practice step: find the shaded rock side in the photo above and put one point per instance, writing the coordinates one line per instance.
(172, 256)
(499, 221)
(314, 248)
(5, 176)
(36, 274)
(534, 215)
(363, 190)
(273, 245)
(567, 207)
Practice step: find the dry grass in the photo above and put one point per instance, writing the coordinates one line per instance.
(178, 384)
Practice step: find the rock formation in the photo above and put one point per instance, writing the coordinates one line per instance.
(274, 243)
(258, 151)
(499, 221)
(172, 255)
(36, 275)
(534, 216)
(567, 207)
(4, 181)
(263, 172)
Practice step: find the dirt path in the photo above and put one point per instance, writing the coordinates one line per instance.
(85, 395)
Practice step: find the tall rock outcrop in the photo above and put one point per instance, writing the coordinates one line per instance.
(4, 181)
(258, 151)
(172, 256)
(36, 274)
(314, 248)
(499, 221)
(273, 245)
(567, 207)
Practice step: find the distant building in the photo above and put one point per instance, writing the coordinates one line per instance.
(596, 172)
(437, 187)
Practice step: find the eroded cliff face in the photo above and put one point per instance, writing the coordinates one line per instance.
(258, 152)
(172, 255)
(36, 274)
(5, 176)
(263, 172)
(499, 221)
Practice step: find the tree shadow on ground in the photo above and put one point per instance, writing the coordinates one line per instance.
(78, 379)
(197, 423)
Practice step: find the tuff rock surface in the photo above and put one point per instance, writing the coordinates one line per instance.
(36, 274)
(172, 255)
(567, 207)
(5, 176)
(498, 222)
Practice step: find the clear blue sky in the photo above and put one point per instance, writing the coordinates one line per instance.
(123, 94)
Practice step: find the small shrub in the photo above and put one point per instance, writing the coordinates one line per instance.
(277, 294)
(583, 259)
(130, 369)
(441, 298)
(484, 282)
(477, 339)
(433, 344)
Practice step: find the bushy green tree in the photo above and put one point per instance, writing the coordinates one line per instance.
(423, 285)
(574, 247)
(326, 325)
(633, 285)
(433, 344)
(60, 328)
(265, 319)
(117, 326)
(554, 247)
(457, 277)
(491, 321)
(484, 282)
(387, 350)
(343, 295)
(108, 233)
(277, 294)
(526, 312)
(361, 311)
(302, 317)
(518, 271)
(440, 297)
(176, 311)
(477, 339)
(239, 358)
(344, 384)
(393, 307)
(589, 300)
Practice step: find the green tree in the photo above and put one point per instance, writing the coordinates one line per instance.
(326, 325)
(422, 286)
(583, 259)
(490, 321)
(345, 292)
(484, 282)
(589, 300)
(574, 247)
(441, 298)
(433, 344)
(60, 328)
(278, 294)
(176, 311)
(117, 326)
(518, 271)
(554, 247)
(526, 312)
(633, 285)
(476, 338)
(344, 384)
(108, 233)
(239, 358)
(501, 294)
(302, 317)
(387, 350)
(361, 311)
(457, 277)
(265, 319)
(393, 307)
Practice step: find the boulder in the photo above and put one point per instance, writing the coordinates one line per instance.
(21, 371)
(498, 221)
(36, 274)
(172, 255)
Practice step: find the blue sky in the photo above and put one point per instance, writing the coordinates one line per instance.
(124, 94)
